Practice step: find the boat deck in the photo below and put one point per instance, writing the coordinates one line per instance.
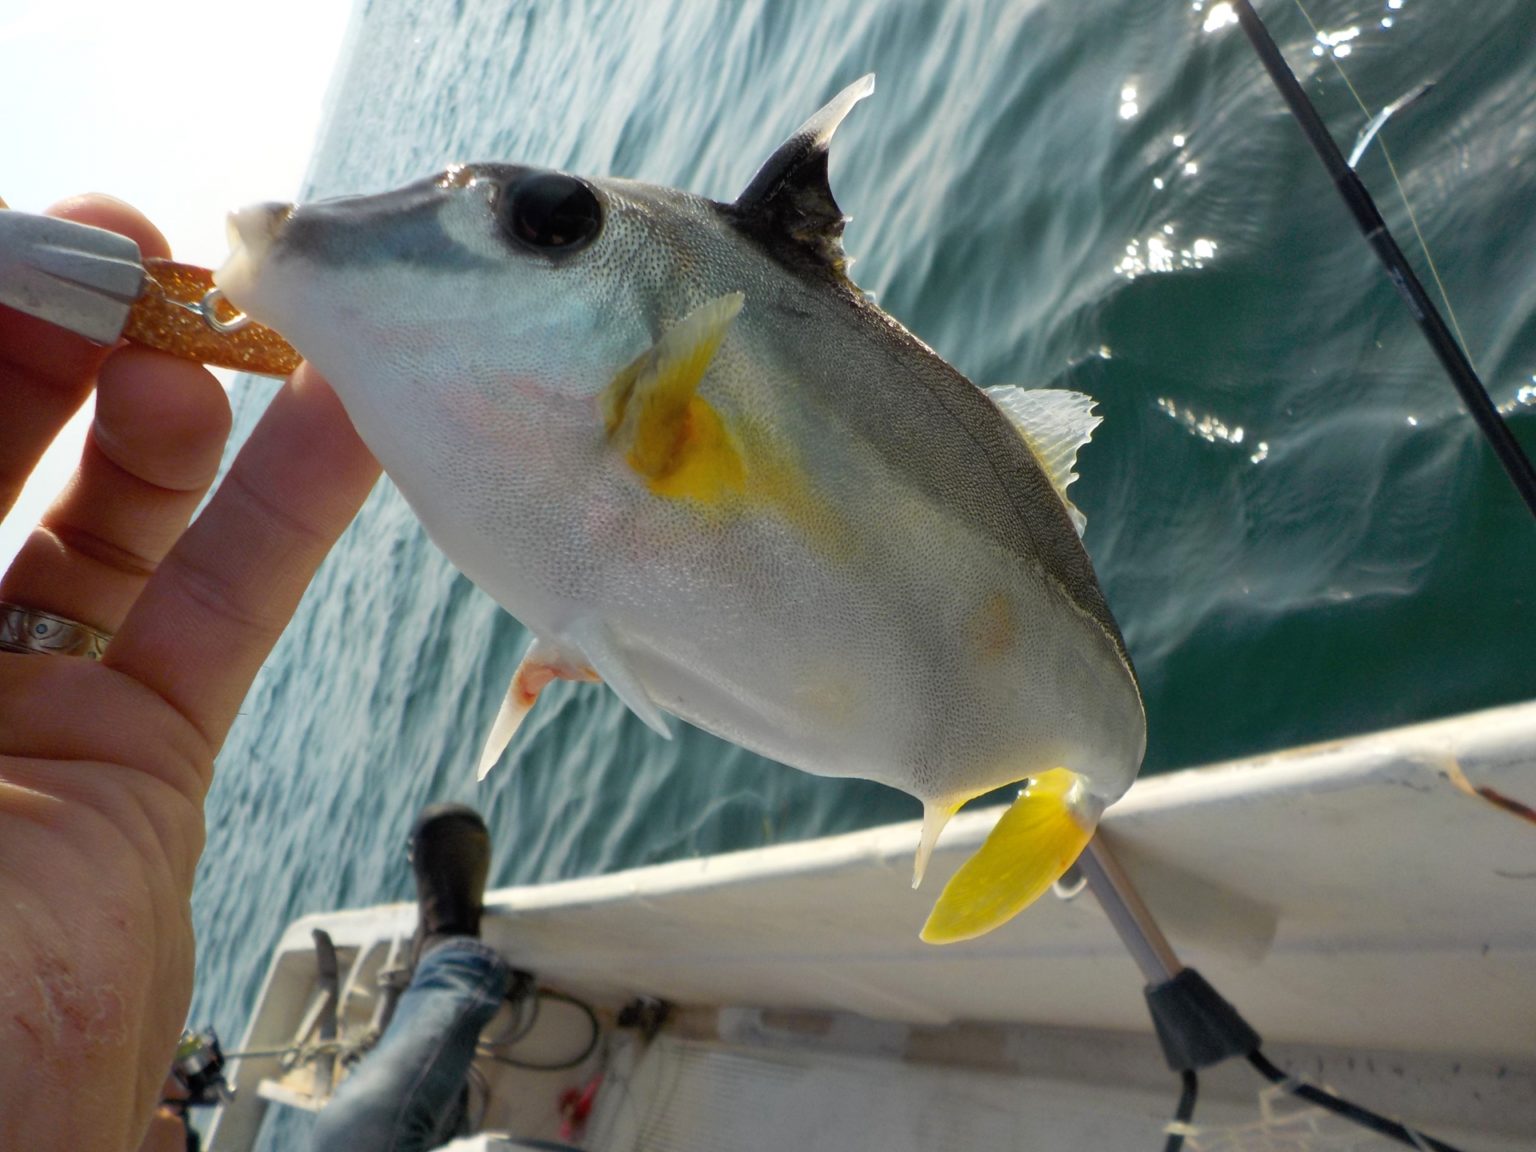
(1367, 904)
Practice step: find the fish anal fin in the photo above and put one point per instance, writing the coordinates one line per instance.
(672, 437)
(936, 814)
(1035, 841)
(544, 662)
(1054, 423)
(595, 640)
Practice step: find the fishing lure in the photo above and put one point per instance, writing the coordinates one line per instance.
(96, 283)
(181, 312)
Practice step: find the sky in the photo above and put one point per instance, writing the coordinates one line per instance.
(184, 108)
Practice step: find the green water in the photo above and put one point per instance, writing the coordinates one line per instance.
(1295, 523)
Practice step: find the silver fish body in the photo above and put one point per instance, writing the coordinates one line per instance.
(829, 547)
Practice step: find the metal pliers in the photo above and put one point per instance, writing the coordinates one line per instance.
(78, 277)
(97, 284)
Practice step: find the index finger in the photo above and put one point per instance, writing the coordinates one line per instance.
(209, 616)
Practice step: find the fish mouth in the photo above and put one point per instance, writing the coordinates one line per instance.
(254, 227)
(251, 232)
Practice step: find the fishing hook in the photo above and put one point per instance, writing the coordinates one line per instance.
(206, 310)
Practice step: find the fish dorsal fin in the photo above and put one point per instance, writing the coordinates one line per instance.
(790, 198)
(1054, 423)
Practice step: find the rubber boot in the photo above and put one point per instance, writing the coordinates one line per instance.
(450, 853)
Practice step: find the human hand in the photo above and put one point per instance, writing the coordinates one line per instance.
(167, 1132)
(104, 766)
(168, 1122)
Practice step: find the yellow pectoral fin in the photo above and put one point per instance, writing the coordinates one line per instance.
(672, 437)
(704, 464)
(1032, 845)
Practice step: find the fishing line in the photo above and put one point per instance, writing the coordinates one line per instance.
(1195, 1026)
(1402, 193)
(1368, 218)
(1348, 1109)
(1185, 1111)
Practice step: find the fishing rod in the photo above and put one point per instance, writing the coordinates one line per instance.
(1195, 1026)
(1450, 354)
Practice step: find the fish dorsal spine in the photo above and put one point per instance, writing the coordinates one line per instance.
(789, 204)
(1054, 423)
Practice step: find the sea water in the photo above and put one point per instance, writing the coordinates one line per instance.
(1294, 520)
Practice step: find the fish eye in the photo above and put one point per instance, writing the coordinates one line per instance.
(549, 210)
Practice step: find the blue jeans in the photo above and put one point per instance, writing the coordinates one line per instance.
(405, 1095)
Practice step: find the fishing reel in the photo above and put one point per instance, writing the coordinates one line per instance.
(199, 1066)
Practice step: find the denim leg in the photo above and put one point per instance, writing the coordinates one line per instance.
(403, 1095)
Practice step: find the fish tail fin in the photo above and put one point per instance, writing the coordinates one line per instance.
(936, 814)
(1034, 842)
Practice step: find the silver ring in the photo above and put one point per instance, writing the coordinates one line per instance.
(29, 630)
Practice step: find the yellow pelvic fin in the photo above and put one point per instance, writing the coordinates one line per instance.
(936, 814)
(1031, 846)
(672, 437)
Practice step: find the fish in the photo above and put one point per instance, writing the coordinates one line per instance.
(674, 439)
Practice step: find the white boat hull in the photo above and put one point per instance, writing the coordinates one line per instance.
(1368, 904)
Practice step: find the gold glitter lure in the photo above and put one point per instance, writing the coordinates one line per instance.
(182, 313)
(96, 283)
